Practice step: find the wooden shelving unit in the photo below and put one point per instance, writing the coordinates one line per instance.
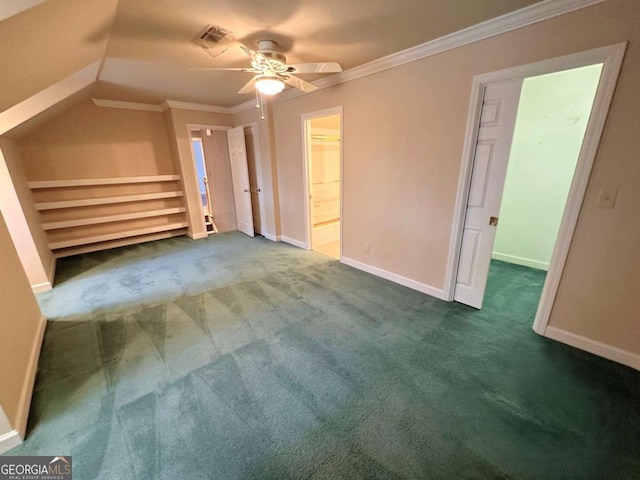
(111, 218)
(79, 217)
(85, 202)
(90, 182)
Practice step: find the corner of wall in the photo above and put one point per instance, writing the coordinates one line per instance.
(18, 207)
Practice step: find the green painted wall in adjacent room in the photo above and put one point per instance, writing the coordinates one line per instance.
(552, 117)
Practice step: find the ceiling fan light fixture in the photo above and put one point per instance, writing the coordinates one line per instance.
(269, 85)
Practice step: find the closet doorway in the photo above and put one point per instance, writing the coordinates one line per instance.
(323, 174)
(212, 173)
(203, 181)
(568, 115)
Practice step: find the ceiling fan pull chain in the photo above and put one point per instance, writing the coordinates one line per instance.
(257, 99)
(262, 104)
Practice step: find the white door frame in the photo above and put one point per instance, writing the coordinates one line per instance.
(306, 149)
(199, 126)
(611, 58)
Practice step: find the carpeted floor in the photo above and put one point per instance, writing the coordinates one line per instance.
(239, 358)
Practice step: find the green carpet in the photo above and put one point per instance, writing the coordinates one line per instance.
(239, 358)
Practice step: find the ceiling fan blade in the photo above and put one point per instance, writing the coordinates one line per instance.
(326, 67)
(220, 69)
(248, 51)
(299, 84)
(249, 86)
(256, 56)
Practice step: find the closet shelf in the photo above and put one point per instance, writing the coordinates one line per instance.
(91, 182)
(115, 236)
(111, 218)
(106, 200)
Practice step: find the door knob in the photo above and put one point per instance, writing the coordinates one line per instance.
(246, 190)
(493, 221)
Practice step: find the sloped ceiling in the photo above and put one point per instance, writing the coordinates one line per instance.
(146, 45)
(47, 43)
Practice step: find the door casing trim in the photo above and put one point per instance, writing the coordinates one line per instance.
(307, 158)
(611, 57)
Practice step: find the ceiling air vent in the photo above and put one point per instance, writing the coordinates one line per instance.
(214, 40)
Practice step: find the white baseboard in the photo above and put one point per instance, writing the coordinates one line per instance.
(394, 277)
(592, 346)
(41, 287)
(525, 262)
(273, 238)
(30, 377)
(9, 440)
(294, 242)
(197, 236)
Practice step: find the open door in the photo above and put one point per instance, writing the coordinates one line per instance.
(497, 123)
(240, 177)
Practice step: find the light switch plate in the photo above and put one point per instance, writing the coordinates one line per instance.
(607, 198)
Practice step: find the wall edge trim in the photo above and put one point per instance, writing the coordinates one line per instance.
(394, 277)
(294, 242)
(30, 377)
(200, 107)
(600, 349)
(147, 107)
(9, 441)
(527, 262)
(197, 236)
(41, 287)
(52, 271)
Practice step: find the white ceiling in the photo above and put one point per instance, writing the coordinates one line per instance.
(147, 50)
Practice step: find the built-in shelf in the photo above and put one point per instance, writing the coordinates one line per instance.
(80, 222)
(91, 182)
(121, 242)
(106, 200)
(74, 242)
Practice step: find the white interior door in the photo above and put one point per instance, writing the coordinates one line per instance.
(497, 123)
(240, 176)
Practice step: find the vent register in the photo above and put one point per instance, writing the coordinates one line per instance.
(214, 40)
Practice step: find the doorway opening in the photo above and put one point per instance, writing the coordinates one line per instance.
(531, 140)
(202, 178)
(323, 152)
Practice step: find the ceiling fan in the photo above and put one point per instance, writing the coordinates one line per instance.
(271, 71)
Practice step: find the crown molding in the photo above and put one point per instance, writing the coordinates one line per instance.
(530, 15)
(241, 107)
(164, 106)
(148, 107)
(200, 107)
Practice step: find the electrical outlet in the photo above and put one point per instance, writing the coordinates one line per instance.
(367, 247)
(607, 198)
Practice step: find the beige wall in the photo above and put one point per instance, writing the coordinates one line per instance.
(16, 204)
(177, 123)
(90, 142)
(403, 136)
(216, 152)
(21, 326)
(267, 171)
